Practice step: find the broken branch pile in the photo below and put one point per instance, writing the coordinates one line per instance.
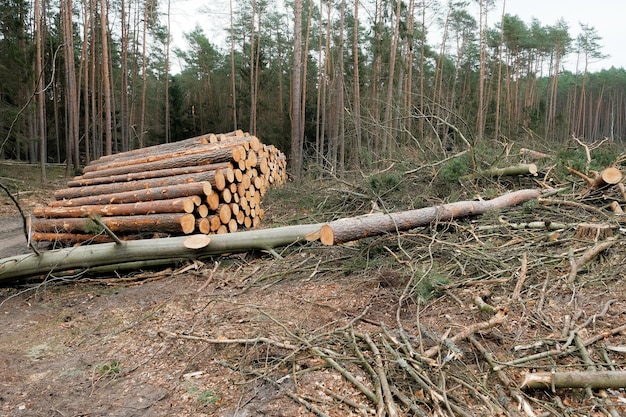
(206, 184)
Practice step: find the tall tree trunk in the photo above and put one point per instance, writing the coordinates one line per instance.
(305, 62)
(389, 102)
(106, 80)
(70, 97)
(340, 92)
(253, 99)
(144, 79)
(498, 88)
(233, 89)
(124, 122)
(376, 77)
(480, 112)
(356, 148)
(40, 92)
(168, 130)
(97, 150)
(296, 91)
(84, 70)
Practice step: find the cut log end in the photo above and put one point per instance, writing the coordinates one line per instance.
(327, 236)
(197, 241)
(611, 175)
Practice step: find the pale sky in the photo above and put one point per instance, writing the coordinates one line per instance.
(606, 16)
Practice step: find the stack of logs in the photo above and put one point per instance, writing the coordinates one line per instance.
(207, 184)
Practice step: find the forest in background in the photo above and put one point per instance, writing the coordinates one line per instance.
(333, 83)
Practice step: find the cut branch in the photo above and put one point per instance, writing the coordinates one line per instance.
(576, 379)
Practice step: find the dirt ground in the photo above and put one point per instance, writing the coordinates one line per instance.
(317, 330)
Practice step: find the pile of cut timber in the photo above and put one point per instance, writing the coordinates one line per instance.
(207, 184)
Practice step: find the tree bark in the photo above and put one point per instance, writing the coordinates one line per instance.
(205, 144)
(154, 223)
(169, 249)
(521, 169)
(149, 194)
(166, 250)
(143, 175)
(176, 205)
(196, 158)
(576, 379)
(215, 177)
(349, 229)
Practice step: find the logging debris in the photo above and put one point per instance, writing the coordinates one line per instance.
(207, 184)
(325, 326)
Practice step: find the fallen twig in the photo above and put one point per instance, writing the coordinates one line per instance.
(498, 318)
(575, 379)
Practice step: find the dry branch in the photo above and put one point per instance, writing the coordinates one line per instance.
(576, 379)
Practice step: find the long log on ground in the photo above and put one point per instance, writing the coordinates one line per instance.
(576, 379)
(214, 156)
(149, 194)
(79, 181)
(216, 178)
(175, 205)
(521, 169)
(349, 229)
(174, 223)
(167, 249)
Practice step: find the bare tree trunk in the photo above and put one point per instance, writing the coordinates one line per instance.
(296, 91)
(305, 61)
(106, 80)
(142, 125)
(168, 130)
(71, 96)
(233, 89)
(124, 122)
(253, 99)
(340, 91)
(389, 134)
(84, 70)
(498, 92)
(480, 113)
(40, 92)
(356, 148)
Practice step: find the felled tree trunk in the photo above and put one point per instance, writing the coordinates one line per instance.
(346, 230)
(154, 223)
(211, 173)
(176, 205)
(149, 194)
(171, 249)
(521, 169)
(164, 251)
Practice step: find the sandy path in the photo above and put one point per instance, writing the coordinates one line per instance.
(12, 240)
